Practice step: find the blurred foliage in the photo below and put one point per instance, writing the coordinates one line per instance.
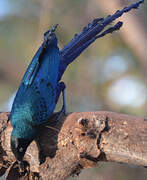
(94, 80)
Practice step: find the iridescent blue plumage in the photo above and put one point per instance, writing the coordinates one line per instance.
(36, 98)
(40, 87)
(88, 35)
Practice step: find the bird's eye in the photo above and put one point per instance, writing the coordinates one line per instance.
(21, 149)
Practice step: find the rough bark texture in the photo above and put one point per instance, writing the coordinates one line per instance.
(78, 141)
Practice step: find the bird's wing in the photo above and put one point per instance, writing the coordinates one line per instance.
(32, 68)
(35, 64)
(42, 101)
(44, 108)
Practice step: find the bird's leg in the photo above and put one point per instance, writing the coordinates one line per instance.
(64, 101)
(61, 88)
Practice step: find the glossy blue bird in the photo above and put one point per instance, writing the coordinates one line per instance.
(40, 87)
(37, 95)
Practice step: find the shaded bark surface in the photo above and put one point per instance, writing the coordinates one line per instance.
(79, 140)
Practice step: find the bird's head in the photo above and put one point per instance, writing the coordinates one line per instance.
(19, 147)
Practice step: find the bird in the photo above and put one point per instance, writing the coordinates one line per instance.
(37, 95)
(41, 85)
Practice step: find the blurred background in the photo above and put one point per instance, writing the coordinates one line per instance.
(110, 75)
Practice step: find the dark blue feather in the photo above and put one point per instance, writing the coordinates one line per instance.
(88, 35)
(35, 100)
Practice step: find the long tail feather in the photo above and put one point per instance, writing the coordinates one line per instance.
(88, 35)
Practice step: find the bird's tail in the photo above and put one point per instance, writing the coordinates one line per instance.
(89, 34)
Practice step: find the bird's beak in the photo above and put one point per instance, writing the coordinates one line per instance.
(21, 166)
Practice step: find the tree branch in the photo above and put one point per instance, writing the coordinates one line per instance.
(78, 141)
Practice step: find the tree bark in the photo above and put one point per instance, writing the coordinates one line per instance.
(78, 140)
